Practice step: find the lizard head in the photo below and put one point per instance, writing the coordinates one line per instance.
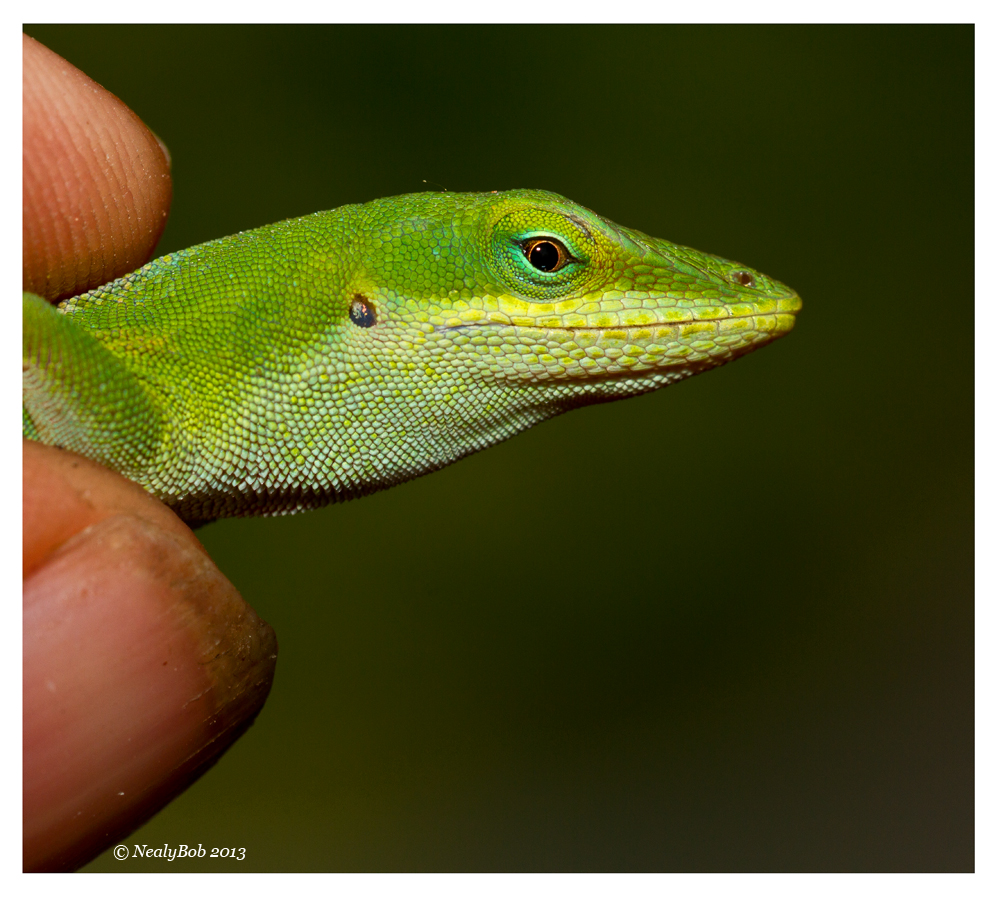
(435, 325)
(527, 288)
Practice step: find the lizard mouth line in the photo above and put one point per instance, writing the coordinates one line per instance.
(670, 324)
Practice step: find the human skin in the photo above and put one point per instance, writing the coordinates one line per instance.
(142, 664)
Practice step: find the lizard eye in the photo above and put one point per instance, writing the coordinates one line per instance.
(745, 279)
(362, 312)
(546, 254)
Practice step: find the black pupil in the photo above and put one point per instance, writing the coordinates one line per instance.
(544, 256)
(744, 278)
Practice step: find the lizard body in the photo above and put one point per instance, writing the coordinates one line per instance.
(333, 355)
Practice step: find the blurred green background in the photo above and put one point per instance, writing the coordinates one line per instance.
(727, 626)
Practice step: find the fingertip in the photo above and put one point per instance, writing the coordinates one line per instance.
(97, 185)
(142, 663)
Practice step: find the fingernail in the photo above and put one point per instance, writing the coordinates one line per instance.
(163, 147)
(142, 664)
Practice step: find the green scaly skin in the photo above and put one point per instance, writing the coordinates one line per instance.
(330, 356)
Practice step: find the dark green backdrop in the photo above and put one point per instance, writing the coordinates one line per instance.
(728, 626)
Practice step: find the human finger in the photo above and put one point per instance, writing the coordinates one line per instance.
(97, 185)
(142, 663)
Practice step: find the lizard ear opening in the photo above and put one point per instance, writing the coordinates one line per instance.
(362, 311)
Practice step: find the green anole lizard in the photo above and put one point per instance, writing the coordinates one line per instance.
(330, 356)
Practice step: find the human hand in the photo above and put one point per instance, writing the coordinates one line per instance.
(142, 664)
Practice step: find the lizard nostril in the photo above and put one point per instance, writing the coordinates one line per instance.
(362, 311)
